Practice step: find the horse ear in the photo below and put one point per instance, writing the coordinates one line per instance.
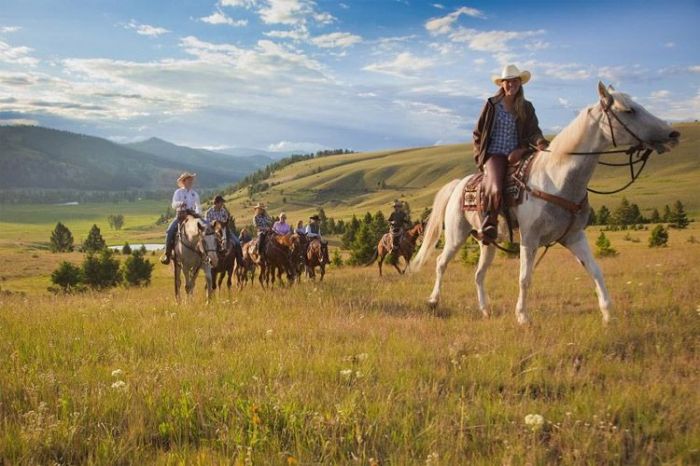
(602, 91)
(611, 88)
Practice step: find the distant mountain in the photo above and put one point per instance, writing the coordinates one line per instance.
(249, 152)
(33, 157)
(202, 161)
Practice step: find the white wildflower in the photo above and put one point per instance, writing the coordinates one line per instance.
(362, 356)
(346, 373)
(629, 282)
(117, 372)
(268, 333)
(535, 421)
(119, 385)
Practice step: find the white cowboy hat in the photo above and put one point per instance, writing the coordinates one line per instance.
(511, 72)
(260, 205)
(181, 179)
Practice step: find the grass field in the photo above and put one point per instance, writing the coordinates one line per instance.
(357, 370)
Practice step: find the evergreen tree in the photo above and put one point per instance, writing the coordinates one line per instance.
(323, 220)
(678, 217)
(603, 216)
(666, 217)
(67, 276)
(592, 220)
(603, 247)
(655, 216)
(116, 222)
(137, 270)
(626, 213)
(61, 239)
(94, 241)
(379, 226)
(101, 271)
(350, 232)
(659, 237)
(336, 259)
(367, 219)
(126, 249)
(363, 246)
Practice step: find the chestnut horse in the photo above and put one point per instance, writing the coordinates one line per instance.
(227, 259)
(316, 256)
(407, 245)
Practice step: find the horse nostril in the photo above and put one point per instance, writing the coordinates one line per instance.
(674, 135)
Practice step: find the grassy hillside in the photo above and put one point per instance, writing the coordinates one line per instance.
(356, 370)
(355, 183)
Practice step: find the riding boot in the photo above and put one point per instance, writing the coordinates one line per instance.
(165, 258)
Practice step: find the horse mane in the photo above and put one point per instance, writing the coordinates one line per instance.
(569, 137)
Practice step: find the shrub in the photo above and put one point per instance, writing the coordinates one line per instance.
(116, 222)
(336, 259)
(603, 247)
(61, 239)
(126, 249)
(678, 218)
(470, 252)
(658, 237)
(363, 246)
(137, 270)
(101, 271)
(67, 277)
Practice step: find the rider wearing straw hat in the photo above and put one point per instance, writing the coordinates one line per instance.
(398, 220)
(262, 223)
(507, 124)
(185, 202)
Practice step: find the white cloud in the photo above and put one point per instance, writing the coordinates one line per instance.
(660, 94)
(219, 17)
(670, 44)
(292, 12)
(18, 121)
(9, 29)
(300, 33)
(287, 146)
(443, 24)
(537, 45)
(479, 61)
(561, 71)
(404, 65)
(16, 55)
(439, 6)
(145, 29)
(620, 73)
(238, 3)
(491, 41)
(694, 69)
(336, 40)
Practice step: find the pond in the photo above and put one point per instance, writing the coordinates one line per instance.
(135, 246)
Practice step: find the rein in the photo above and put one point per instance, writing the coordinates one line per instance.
(200, 248)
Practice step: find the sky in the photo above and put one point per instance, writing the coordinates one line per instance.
(305, 75)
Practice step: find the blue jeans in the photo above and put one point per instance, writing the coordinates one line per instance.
(171, 232)
(232, 238)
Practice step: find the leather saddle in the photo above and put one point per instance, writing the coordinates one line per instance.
(519, 165)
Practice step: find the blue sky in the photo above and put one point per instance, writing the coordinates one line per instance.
(306, 75)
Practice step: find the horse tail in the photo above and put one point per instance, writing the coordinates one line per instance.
(374, 257)
(432, 231)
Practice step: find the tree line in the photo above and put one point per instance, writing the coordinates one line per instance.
(629, 213)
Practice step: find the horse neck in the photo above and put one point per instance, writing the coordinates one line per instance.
(559, 172)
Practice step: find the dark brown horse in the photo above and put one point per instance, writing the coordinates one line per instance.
(316, 256)
(407, 245)
(228, 259)
(279, 250)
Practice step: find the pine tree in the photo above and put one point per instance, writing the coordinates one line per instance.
(666, 217)
(336, 259)
(137, 270)
(101, 271)
(61, 239)
(655, 216)
(603, 247)
(658, 237)
(603, 216)
(678, 218)
(126, 249)
(592, 220)
(67, 276)
(94, 241)
(350, 232)
(379, 226)
(363, 246)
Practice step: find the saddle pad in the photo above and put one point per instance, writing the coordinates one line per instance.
(474, 200)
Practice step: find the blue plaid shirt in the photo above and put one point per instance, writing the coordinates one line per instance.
(504, 135)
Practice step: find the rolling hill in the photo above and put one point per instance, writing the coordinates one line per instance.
(355, 183)
(34, 157)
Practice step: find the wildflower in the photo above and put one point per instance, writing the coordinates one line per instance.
(119, 385)
(362, 356)
(268, 333)
(346, 373)
(629, 282)
(535, 421)
(117, 372)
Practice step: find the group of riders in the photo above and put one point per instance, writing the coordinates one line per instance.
(507, 129)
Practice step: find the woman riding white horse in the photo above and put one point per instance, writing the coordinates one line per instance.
(555, 207)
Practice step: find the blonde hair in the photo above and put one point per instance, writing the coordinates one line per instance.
(518, 103)
(282, 214)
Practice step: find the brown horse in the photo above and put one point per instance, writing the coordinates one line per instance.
(251, 260)
(279, 250)
(227, 258)
(316, 256)
(407, 245)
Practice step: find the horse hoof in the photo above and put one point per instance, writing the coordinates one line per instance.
(486, 313)
(432, 304)
(523, 319)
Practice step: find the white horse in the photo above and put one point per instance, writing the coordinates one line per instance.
(195, 248)
(555, 207)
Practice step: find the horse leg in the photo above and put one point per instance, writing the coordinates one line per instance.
(527, 264)
(380, 261)
(456, 231)
(485, 259)
(323, 271)
(178, 281)
(396, 264)
(580, 248)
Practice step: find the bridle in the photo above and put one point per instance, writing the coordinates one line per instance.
(201, 246)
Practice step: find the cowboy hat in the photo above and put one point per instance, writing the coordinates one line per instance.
(314, 217)
(511, 72)
(396, 203)
(218, 198)
(185, 175)
(259, 205)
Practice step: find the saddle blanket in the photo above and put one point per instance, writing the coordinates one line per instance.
(474, 198)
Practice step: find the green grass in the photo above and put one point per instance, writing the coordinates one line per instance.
(357, 370)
